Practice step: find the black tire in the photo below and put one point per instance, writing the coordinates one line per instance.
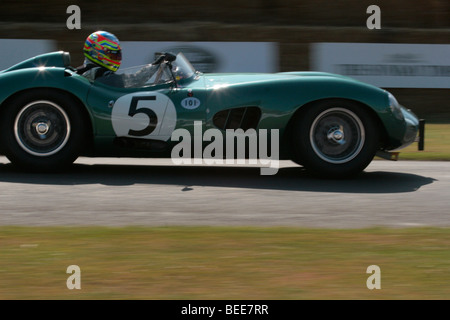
(335, 138)
(42, 130)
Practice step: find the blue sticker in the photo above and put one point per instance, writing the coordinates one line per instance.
(190, 103)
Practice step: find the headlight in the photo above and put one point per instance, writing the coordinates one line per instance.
(395, 107)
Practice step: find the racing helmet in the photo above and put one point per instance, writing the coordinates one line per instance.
(103, 48)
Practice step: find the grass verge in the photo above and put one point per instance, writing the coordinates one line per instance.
(223, 263)
(437, 144)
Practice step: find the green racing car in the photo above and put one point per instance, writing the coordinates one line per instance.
(330, 124)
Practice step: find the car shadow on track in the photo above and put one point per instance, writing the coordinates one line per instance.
(188, 177)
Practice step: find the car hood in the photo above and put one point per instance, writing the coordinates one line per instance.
(227, 79)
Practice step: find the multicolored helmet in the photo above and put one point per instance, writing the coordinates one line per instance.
(103, 48)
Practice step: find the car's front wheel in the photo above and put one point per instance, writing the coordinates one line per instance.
(335, 138)
(42, 130)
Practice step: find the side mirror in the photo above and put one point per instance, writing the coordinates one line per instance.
(164, 56)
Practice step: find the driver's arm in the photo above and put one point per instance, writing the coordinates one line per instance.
(143, 75)
(124, 80)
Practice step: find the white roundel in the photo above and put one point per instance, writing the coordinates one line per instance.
(145, 115)
(190, 103)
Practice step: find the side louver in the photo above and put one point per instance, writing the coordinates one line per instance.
(238, 118)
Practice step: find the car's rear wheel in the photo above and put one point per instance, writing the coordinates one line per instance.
(335, 138)
(42, 130)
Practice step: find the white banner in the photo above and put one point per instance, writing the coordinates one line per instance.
(386, 65)
(14, 51)
(207, 57)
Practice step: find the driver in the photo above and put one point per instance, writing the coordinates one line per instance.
(103, 56)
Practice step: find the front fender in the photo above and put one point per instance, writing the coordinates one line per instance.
(321, 86)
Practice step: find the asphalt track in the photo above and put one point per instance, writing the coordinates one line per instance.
(122, 192)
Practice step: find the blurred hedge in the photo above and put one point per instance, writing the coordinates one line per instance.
(294, 25)
(399, 13)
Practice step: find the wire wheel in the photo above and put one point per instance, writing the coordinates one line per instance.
(42, 128)
(335, 138)
(337, 135)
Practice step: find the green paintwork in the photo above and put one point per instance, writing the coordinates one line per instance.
(278, 96)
